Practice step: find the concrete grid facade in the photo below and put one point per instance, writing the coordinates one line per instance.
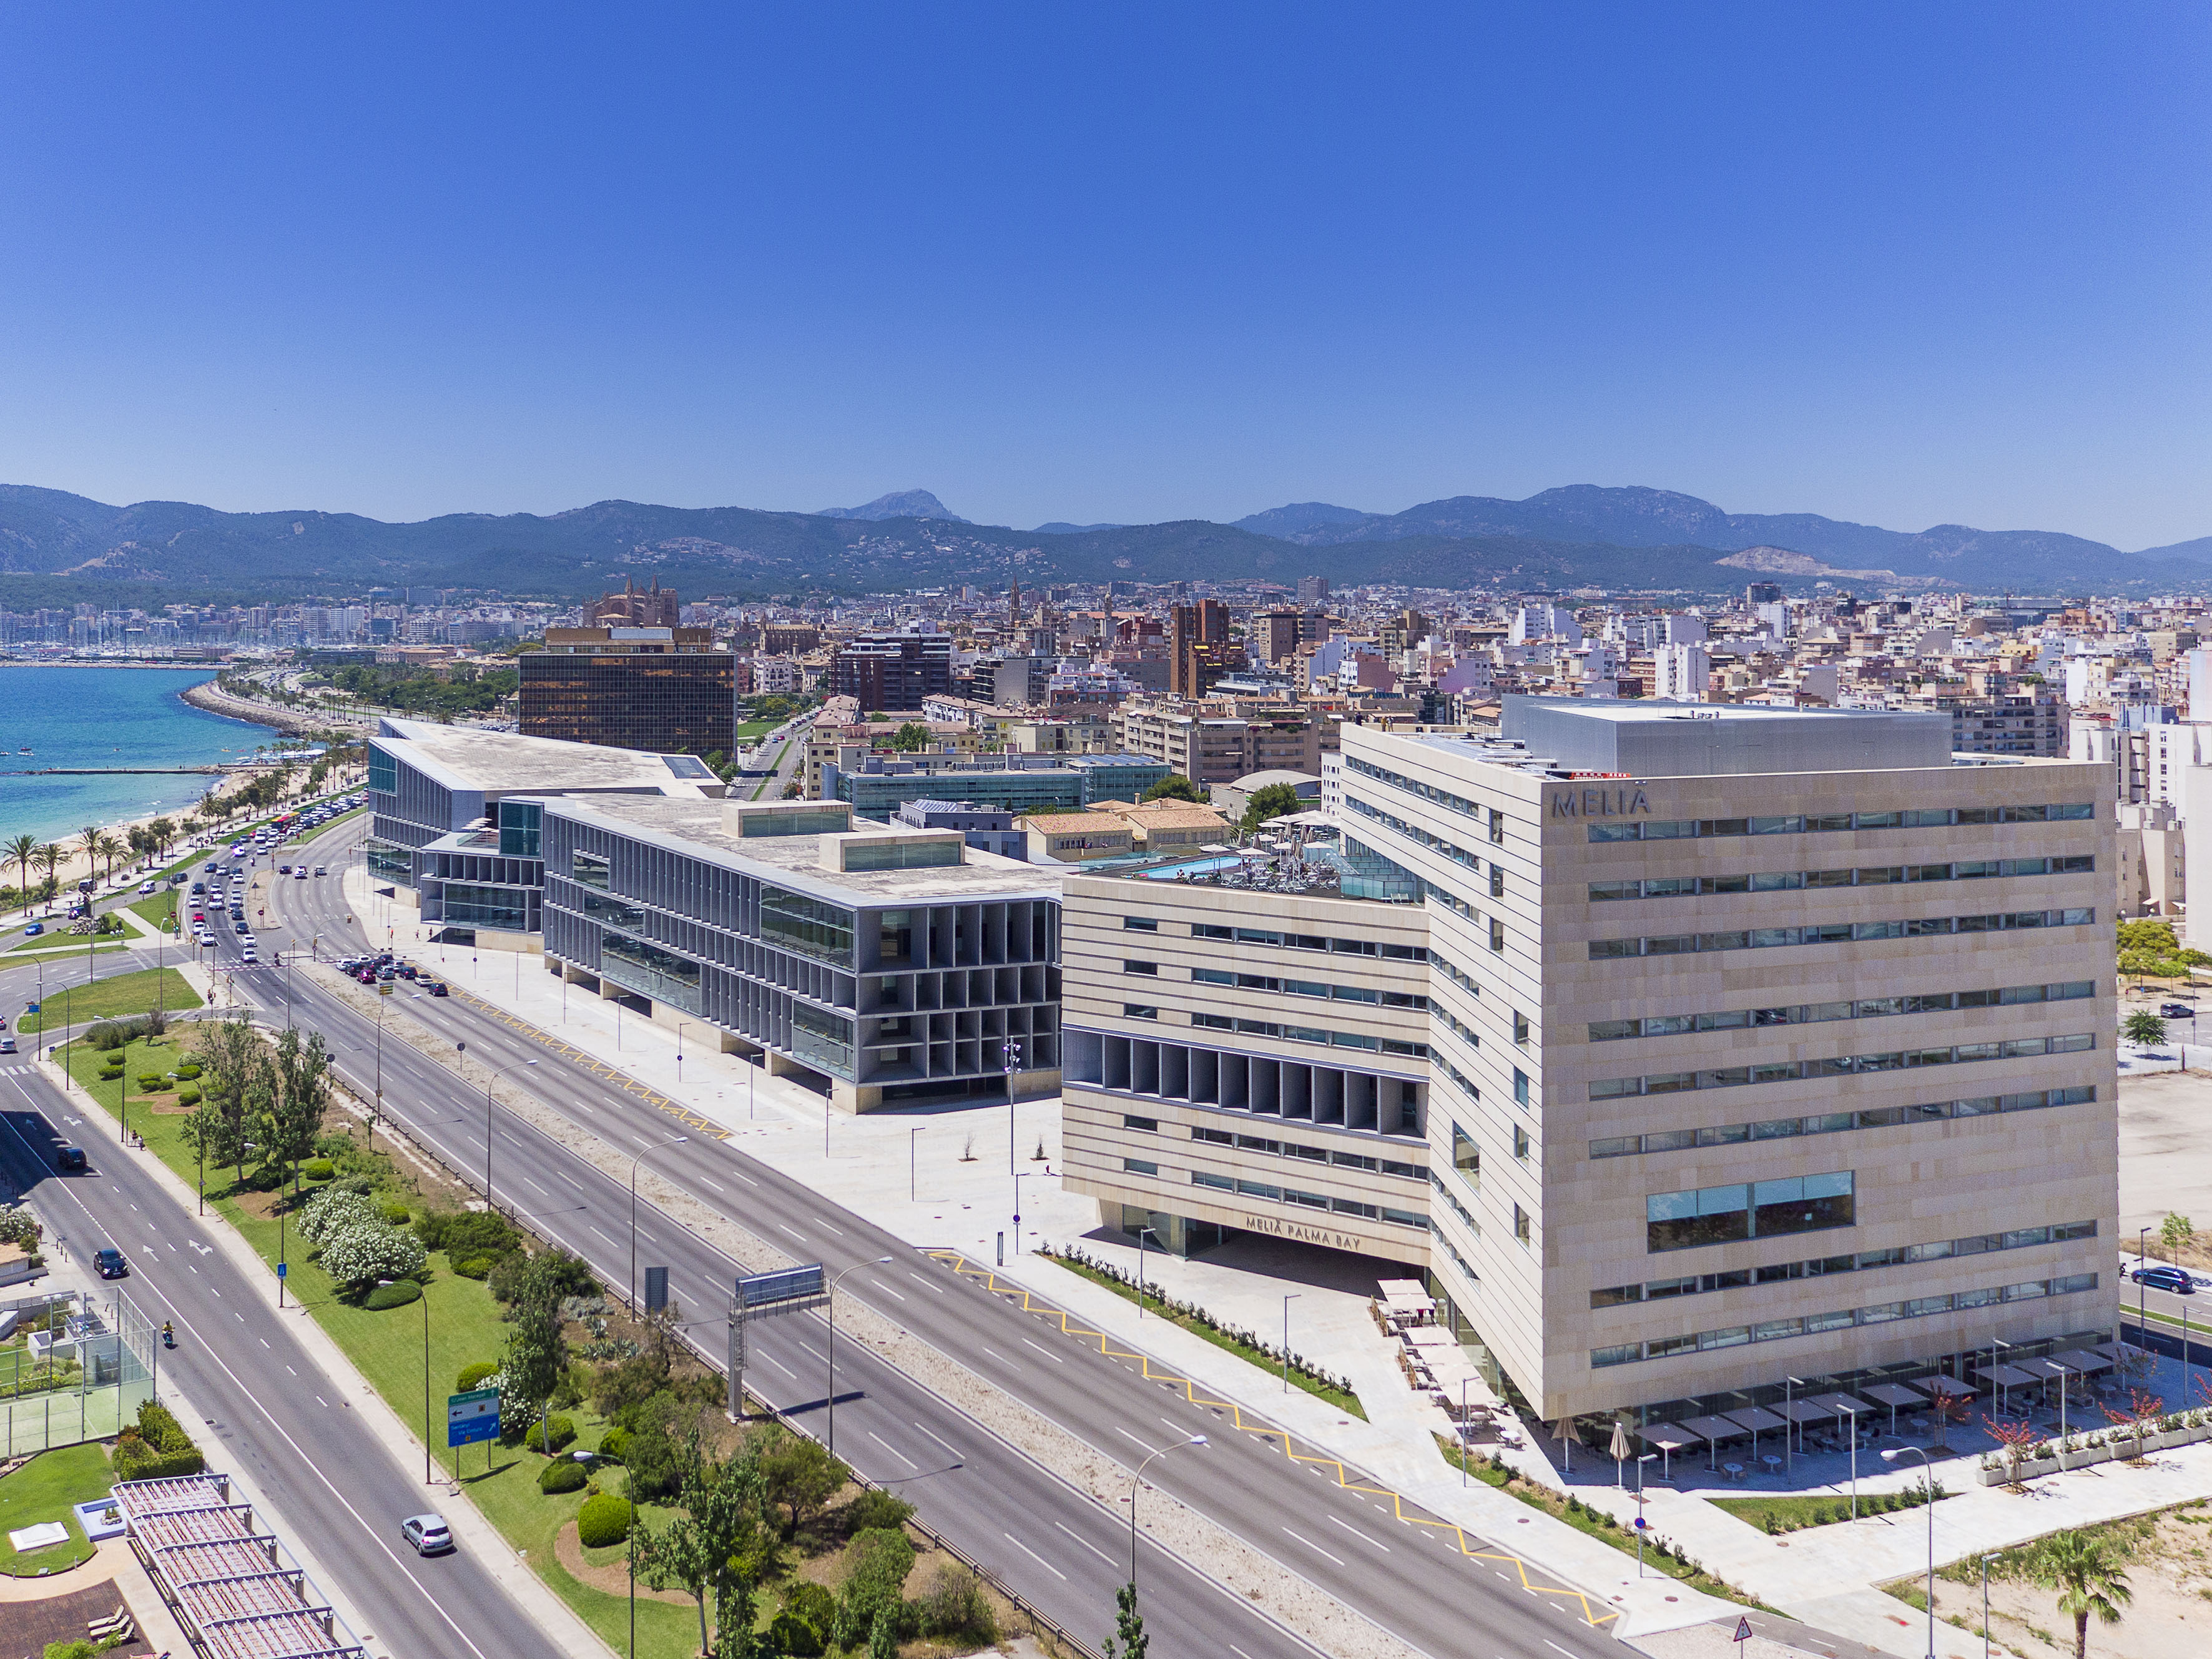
(1758, 1043)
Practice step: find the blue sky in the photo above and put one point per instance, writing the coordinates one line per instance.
(1905, 265)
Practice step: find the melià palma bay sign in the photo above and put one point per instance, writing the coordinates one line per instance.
(1614, 802)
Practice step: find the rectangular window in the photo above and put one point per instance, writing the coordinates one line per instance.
(1466, 1155)
(1152, 968)
(1220, 1183)
(808, 926)
(589, 869)
(1520, 1088)
(1140, 1011)
(1207, 930)
(1212, 976)
(1149, 1125)
(1497, 935)
(1710, 1215)
(1520, 1028)
(1803, 1205)
(1496, 881)
(1521, 1224)
(1140, 924)
(1520, 1142)
(1141, 1166)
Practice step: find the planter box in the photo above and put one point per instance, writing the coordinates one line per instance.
(2121, 1447)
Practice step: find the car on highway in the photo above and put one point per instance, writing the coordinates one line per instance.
(110, 1263)
(299, 874)
(71, 1160)
(320, 871)
(2163, 1277)
(7, 1045)
(283, 869)
(34, 930)
(2176, 1011)
(428, 1534)
(214, 869)
(198, 888)
(435, 987)
(249, 954)
(240, 928)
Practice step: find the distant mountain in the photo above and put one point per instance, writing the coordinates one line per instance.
(57, 548)
(899, 504)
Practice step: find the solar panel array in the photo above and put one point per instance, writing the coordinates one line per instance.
(226, 1583)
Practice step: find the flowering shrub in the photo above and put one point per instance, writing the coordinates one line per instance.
(362, 1254)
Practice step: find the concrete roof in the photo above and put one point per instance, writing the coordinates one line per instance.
(503, 763)
(693, 827)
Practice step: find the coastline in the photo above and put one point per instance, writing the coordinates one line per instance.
(206, 695)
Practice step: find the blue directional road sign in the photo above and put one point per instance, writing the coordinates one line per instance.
(471, 1417)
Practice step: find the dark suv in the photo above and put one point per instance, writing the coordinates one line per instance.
(2165, 1279)
(71, 1160)
(111, 1264)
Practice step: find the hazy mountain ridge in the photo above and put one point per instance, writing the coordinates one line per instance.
(53, 543)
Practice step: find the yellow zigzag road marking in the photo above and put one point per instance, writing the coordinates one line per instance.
(597, 1067)
(1593, 1613)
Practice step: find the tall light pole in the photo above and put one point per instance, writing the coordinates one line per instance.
(1890, 1454)
(1286, 1358)
(491, 1075)
(1790, 1429)
(2064, 1371)
(680, 1024)
(913, 1174)
(2142, 1290)
(1136, 1481)
(1025, 1175)
(830, 1318)
(1012, 1051)
(1986, 1605)
(1143, 1233)
(673, 1141)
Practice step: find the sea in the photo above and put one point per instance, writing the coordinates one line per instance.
(106, 717)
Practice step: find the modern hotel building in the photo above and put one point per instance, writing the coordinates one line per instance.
(1699, 1047)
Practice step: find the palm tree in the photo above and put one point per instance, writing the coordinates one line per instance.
(87, 843)
(110, 848)
(2084, 1569)
(49, 858)
(140, 842)
(21, 850)
(164, 832)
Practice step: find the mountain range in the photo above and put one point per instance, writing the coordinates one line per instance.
(55, 547)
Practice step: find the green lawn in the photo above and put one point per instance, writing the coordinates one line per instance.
(55, 940)
(325, 827)
(754, 731)
(42, 1490)
(125, 994)
(158, 910)
(1789, 1513)
(387, 1347)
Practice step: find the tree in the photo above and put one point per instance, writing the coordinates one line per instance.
(164, 832)
(718, 1543)
(2084, 1570)
(1176, 786)
(88, 843)
(234, 1081)
(21, 850)
(536, 1353)
(911, 736)
(2018, 1438)
(301, 1072)
(2143, 1408)
(109, 847)
(2143, 1029)
(49, 858)
(1128, 1624)
(882, 1558)
(1272, 800)
(801, 1474)
(2175, 1232)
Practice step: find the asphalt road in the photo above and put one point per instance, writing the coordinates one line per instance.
(338, 1491)
(1057, 1547)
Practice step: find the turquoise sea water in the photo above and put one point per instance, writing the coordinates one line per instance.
(106, 717)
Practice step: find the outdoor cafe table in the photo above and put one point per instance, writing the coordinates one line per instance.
(1893, 1394)
(1712, 1430)
(1840, 1405)
(1669, 1438)
(1755, 1418)
(1402, 1290)
(1429, 1336)
(2006, 1377)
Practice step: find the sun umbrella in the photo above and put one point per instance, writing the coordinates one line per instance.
(1619, 1451)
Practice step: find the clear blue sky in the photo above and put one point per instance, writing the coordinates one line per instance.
(1906, 265)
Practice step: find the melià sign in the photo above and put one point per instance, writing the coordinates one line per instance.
(1599, 803)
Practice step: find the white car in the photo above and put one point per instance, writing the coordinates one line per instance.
(150, 887)
(428, 1534)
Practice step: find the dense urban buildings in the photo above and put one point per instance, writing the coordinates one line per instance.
(662, 688)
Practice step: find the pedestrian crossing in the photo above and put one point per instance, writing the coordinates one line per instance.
(16, 1071)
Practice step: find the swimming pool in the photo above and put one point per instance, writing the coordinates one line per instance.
(1203, 867)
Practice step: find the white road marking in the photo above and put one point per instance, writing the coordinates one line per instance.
(938, 1437)
(819, 1222)
(1087, 1544)
(1556, 1647)
(795, 1232)
(1047, 1353)
(1356, 1532)
(1035, 1557)
(888, 1291)
(540, 1189)
(324, 1403)
(780, 1366)
(892, 1450)
(715, 1184)
(1003, 1360)
(1315, 1547)
(919, 1279)
(597, 1230)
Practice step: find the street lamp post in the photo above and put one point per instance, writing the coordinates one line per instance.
(1136, 1481)
(1019, 1179)
(491, 1075)
(2065, 1372)
(1143, 1233)
(2142, 1290)
(1293, 1296)
(1890, 1454)
(680, 1024)
(1011, 1050)
(912, 1176)
(830, 1318)
(673, 1141)
(1790, 1429)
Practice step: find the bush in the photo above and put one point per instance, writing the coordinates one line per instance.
(333, 1210)
(157, 1450)
(149, 1081)
(604, 1520)
(612, 1443)
(876, 1508)
(560, 1429)
(188, 1068)
(361, 1254)
(318, 1168)
(565, 1475)
(109, 1034)
(473, 1376)
(477, 1267)
(188, 1097)
(792, 1635)
(467, 1232)
(954, 1604)
(813, 1605)
(397, 1294)
(395, 1215)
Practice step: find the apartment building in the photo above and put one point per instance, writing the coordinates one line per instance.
(1209, 748)
(1750, 1042)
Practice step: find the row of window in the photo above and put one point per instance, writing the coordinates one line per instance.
(1824, 1123)
(1434, 796)
(1268, 1028)
(1346, 947)
(1342, 1160)
(1661, 1290)
(1435, 843)
(1352, 1206)
(1815, 1014)
(1879, 875)
(1835, 933)
(1296, 988)
(1932, 817)
(1793, 1070)
(1881, 1313)
(1749, 1209)
(1467, 1216)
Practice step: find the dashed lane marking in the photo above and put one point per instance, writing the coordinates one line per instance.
(1469, 1547)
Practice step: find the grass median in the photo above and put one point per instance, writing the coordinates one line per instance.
(45, 1489)
(120, 994)
(387, 1347)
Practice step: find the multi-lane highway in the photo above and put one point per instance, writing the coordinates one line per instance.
(1061, 1549)
(274, 1418)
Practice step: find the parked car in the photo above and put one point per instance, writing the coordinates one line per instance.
(428, 1533)
(2163, 1277)
(71, 1160)
(111, 1264)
